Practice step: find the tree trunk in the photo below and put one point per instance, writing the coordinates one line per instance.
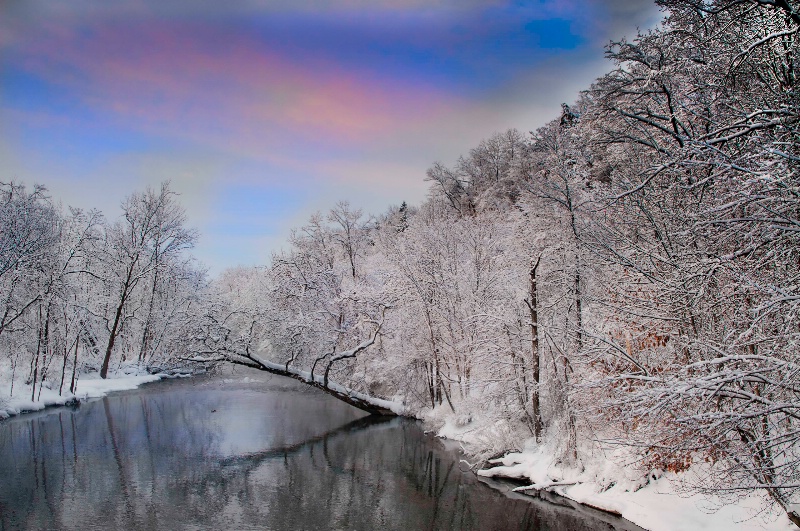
(429, 376)
(126, 288)
(64, 366)
(13, 373)
(45, 345)
(149, 318)
(535, 357)
(578, 306)
(74, 366)
(36, 359)
(111, 339)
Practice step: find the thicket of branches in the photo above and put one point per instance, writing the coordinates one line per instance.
(626, 274)
(79, 293)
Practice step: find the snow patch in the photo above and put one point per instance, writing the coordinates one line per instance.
(88, 386)
(654, 503)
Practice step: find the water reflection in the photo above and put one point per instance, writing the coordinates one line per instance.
(201, 454)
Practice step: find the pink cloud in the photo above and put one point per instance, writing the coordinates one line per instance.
(225, 89)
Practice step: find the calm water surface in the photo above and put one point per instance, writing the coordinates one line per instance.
(247, 452)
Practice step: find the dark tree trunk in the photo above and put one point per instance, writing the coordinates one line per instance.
(111, 339)
(74, 367)
(126, 288)
(535, 358)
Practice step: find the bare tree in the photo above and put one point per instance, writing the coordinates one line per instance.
(151, 231)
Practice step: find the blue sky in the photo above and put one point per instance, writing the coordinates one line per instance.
(261, 111)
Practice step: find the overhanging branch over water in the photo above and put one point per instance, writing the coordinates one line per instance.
(362, 401)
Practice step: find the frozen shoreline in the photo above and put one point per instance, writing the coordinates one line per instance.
(654, 502)
(88, 386)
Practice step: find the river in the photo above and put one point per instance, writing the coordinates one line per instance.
(248, 451)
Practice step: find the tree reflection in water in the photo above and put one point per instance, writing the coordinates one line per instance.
(267, 455)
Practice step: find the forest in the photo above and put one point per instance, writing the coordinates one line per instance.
(626, 276)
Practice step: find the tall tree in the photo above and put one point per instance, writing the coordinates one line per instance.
(151, 231)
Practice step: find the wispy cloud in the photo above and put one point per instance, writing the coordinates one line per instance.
(216, 87)
(345, 99)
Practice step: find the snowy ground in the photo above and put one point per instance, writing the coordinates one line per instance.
(88, 386)
(655, 503)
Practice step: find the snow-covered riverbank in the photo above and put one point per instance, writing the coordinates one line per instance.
(655, 501)
(88, 386)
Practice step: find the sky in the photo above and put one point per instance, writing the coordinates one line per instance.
(261, 112)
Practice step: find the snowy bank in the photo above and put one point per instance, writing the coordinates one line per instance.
(88, 386)
(655, 502)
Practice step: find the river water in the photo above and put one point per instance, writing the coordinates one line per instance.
(247, 452)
